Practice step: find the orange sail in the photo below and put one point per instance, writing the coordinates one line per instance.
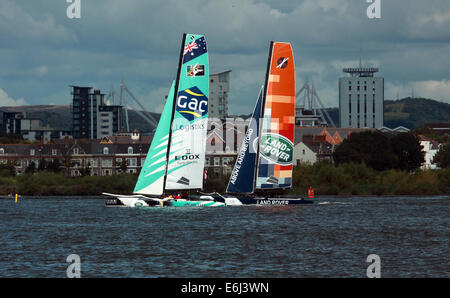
(276, 142)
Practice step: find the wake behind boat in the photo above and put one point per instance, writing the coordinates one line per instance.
(263, 168)
(176, 158)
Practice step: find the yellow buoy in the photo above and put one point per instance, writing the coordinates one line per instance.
(16, 198)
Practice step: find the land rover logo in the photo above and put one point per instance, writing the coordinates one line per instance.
(276, 148)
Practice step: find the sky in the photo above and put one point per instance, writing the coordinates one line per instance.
(42, 51)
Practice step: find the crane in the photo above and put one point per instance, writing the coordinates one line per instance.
(310, 97)
(123, 101)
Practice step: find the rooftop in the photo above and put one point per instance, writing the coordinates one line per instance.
(361, 71)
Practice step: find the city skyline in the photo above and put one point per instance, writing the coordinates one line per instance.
(42, 51)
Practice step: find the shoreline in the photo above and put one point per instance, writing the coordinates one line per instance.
(348, 180)
(83, 197)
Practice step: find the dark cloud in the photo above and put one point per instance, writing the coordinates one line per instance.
(42, 51)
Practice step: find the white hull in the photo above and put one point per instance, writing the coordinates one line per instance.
(143, 201)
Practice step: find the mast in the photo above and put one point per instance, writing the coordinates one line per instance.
(175, 96)
(261, 118)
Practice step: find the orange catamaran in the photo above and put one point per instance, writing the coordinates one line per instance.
(263, 166)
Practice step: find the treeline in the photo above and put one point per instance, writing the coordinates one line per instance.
(366, 163)
(360, 179)
(12, 139)
(357, 179)
(52, 184)
(373, 163)
(326, 178)
(381, 151)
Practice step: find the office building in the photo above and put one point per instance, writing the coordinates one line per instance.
(218, 94)
(109, 120)
(93, 119)
(361, 98)
(18, 123)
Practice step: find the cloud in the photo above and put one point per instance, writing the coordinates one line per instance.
(5, 100)
(438, 90)
(43, 51)
(20, 25)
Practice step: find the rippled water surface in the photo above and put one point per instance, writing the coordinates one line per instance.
(331, 238)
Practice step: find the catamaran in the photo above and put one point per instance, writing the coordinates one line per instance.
(264, 166)
(176, 158)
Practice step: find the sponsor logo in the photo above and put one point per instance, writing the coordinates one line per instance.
(272, 202)
(183, 180)
(193, 126)
(282, 62)
(240, 158)
(272, 180)
(195, 70)
(192, 103)
(188, 157)
(276, 148)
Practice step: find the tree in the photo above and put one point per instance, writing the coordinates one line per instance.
(7, 169)
(31, 168)
(43, 165)
(55, 165)
(442, 157)
(67, 162)
(369, 147)
(85, 170)
(408, 151)
(123, 165)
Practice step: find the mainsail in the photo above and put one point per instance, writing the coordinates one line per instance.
(276, 141)
(243, 174)
(151, 178)
(187, 147)
(176, 156)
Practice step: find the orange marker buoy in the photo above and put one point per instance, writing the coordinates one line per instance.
(311, 193)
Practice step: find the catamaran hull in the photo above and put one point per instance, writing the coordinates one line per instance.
(142, 201)
(240, 201)
(130, 202)
(194, 204)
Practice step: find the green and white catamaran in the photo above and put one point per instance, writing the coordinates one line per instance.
(176, 158)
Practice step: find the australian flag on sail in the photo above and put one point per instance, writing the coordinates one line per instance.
(194, 48)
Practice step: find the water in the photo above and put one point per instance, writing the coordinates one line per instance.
(331, 238)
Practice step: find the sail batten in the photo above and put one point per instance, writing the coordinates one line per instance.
(151, 177)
